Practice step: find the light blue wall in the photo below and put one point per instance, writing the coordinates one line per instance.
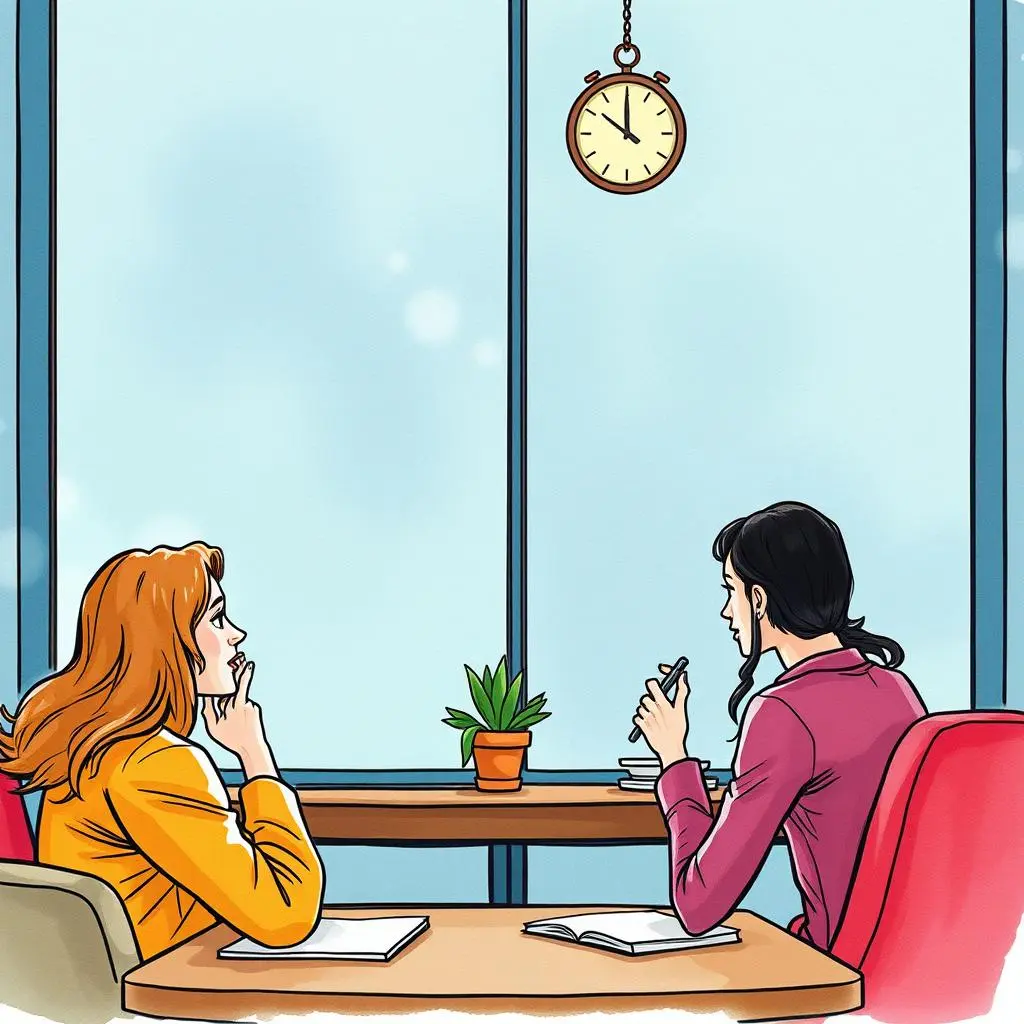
(366, 874)
(640, 874)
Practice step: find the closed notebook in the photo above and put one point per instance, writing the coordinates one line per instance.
(337, 938)
(633, 932)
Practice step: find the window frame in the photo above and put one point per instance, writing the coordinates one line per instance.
(37, 370)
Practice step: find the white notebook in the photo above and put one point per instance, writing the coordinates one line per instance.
(337, 938)
(633, 932)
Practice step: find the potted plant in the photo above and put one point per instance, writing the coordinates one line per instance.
(498, 739)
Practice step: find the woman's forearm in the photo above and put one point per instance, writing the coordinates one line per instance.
(258, 760)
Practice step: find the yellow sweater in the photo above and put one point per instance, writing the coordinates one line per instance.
(155, 823)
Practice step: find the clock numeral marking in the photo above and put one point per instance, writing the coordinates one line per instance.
(627, 174)
(666, 133)
(605, 171)
(590, 154)
(662, 155)
(662, 111)
(589, 111)
(647, 169)
(648, 96)
(586, 133)
(606, 98)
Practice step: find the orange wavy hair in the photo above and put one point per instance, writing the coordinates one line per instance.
(132, 672)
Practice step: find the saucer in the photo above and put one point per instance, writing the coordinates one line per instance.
(644, 785)
(647, 785)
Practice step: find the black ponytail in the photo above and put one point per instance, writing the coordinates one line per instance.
(798, 557)
(887, 650)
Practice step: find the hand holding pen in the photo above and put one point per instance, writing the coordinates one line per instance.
(661, 719)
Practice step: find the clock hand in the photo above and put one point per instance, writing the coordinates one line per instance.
(614, 124)
(625, 113)
(625, 134)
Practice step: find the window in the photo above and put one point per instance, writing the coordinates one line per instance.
(298, 316)
(282, 308)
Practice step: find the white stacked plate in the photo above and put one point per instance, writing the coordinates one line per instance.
(644, 772)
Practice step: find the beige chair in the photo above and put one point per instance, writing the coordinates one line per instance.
(65, 944)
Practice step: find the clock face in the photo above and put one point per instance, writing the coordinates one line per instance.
(628, 134)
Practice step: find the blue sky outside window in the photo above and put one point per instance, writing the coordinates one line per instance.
(282, 285)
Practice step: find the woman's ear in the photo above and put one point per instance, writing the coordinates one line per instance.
(758, 600)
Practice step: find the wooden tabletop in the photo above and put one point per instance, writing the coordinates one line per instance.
(478, 959)
(541, 813)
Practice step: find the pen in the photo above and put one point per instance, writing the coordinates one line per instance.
(668, 686)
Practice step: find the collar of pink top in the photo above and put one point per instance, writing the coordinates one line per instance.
(844, 660)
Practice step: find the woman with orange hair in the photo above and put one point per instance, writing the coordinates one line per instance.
(128, 798)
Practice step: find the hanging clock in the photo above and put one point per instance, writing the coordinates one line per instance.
(626, 131)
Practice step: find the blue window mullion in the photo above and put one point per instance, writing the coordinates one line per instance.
(988, 356)
(507, 864)
(35, 401)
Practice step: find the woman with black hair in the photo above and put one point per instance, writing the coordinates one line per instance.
(813, 746)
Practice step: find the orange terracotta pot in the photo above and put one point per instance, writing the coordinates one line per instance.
(499, 759)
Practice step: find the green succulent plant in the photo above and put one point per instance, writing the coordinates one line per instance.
(497, 702)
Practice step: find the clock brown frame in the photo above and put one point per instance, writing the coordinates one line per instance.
(594, 89)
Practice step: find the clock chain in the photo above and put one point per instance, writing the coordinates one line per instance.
(627, 41)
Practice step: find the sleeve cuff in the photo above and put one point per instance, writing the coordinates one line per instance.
(683, 780)
(265, 797)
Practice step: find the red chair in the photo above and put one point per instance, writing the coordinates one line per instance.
(938, 893)
(15, 832)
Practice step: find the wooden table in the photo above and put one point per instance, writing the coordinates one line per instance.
(478, 959)
(535, 814)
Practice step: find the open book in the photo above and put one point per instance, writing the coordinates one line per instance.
(336, 938)
(633, 932)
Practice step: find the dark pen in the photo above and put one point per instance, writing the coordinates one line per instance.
(668, 685)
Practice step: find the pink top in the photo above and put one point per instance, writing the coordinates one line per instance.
(812, 751)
